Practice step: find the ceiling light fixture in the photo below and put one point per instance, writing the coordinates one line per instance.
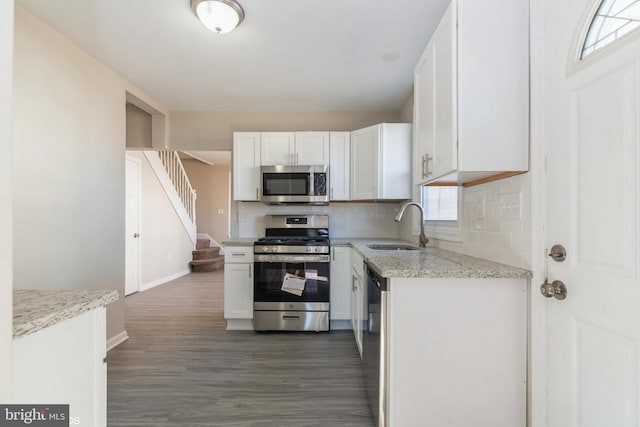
(220, 16)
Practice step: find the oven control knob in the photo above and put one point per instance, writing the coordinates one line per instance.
(265, 249)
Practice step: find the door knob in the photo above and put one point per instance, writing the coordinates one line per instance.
(136, 235)
(556, 289)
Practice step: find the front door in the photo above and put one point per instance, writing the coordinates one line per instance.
(591, 131)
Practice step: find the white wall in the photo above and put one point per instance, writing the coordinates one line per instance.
(211, 183)
(69, 158)
(488, 229)
(213, 130)
(6, 239)
(165, 246)
(345, 219)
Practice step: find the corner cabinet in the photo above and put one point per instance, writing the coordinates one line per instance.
(340, 292)
(471, 95)
(294, 148)
(381, 162)
(357, 297)
(246, 166)
(238, 287)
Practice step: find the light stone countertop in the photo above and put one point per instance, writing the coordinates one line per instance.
(429, 262)
(36, 309)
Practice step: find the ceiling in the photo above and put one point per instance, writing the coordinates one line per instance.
(287, 55)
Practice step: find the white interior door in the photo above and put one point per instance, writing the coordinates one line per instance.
(132, 226)
(591, 124)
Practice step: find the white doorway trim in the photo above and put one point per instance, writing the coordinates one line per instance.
(537, 387)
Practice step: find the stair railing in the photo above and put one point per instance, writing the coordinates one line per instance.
(173, 165)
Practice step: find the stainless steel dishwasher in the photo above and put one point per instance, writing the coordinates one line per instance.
(375, 345)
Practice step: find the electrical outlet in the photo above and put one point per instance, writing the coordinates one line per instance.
(220, 211)
(510, 206)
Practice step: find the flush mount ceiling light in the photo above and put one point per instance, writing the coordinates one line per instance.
(220, 16)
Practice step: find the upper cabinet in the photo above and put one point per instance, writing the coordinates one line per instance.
(294, 148)
(246, 166)
(339, 147)
(471, 95)
(381, 162)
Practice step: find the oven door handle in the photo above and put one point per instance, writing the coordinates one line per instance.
(291, 258)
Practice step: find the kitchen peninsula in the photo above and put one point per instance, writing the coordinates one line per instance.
(59, 350)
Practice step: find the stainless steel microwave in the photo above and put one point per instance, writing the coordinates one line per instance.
(295, 184)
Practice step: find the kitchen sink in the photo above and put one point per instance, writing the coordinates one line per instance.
(382, 247)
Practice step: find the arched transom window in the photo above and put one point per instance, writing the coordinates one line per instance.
(613, 19)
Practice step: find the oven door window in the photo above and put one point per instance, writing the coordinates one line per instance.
(286, 184)
(269, 278)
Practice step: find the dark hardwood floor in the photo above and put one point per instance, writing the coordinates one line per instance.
(180, 367)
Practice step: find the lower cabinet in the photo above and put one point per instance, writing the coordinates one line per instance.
(357, 297)
(340, 292)
(238, 287)
(457, 352)
(65, 364)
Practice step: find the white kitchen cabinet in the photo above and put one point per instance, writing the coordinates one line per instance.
(339, 167)
(65, 363)
(357, 297)
(381, 162)
(294, 148)
(238, 287)
(471, 95)
(312, 148)
(246, 166)
(457, 351)
(277, 148)
(340, 292)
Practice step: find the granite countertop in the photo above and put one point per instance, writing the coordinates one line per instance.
(36, 309)
(429, 262)
(240, 241)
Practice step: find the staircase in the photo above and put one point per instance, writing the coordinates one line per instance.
(206, 258)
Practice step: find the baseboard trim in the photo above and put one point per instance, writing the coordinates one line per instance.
(340, 325)
(163, 280)
(113, 342)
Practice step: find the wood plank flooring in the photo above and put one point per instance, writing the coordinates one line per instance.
(180, 367)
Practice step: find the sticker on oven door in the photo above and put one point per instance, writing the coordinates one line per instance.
(293, 284)
(311, 274)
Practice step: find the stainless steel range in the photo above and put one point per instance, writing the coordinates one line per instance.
(291, 281)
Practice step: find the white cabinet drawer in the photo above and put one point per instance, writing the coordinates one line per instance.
(238, 254)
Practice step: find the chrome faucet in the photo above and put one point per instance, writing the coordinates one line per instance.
(423, 237)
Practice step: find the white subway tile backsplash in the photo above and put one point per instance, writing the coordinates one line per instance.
(345, 219)
(496, 222)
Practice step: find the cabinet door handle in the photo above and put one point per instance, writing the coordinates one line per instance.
(257, 193)
(425, 166)
(333, 254)
(353, 282)
(250, 268)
